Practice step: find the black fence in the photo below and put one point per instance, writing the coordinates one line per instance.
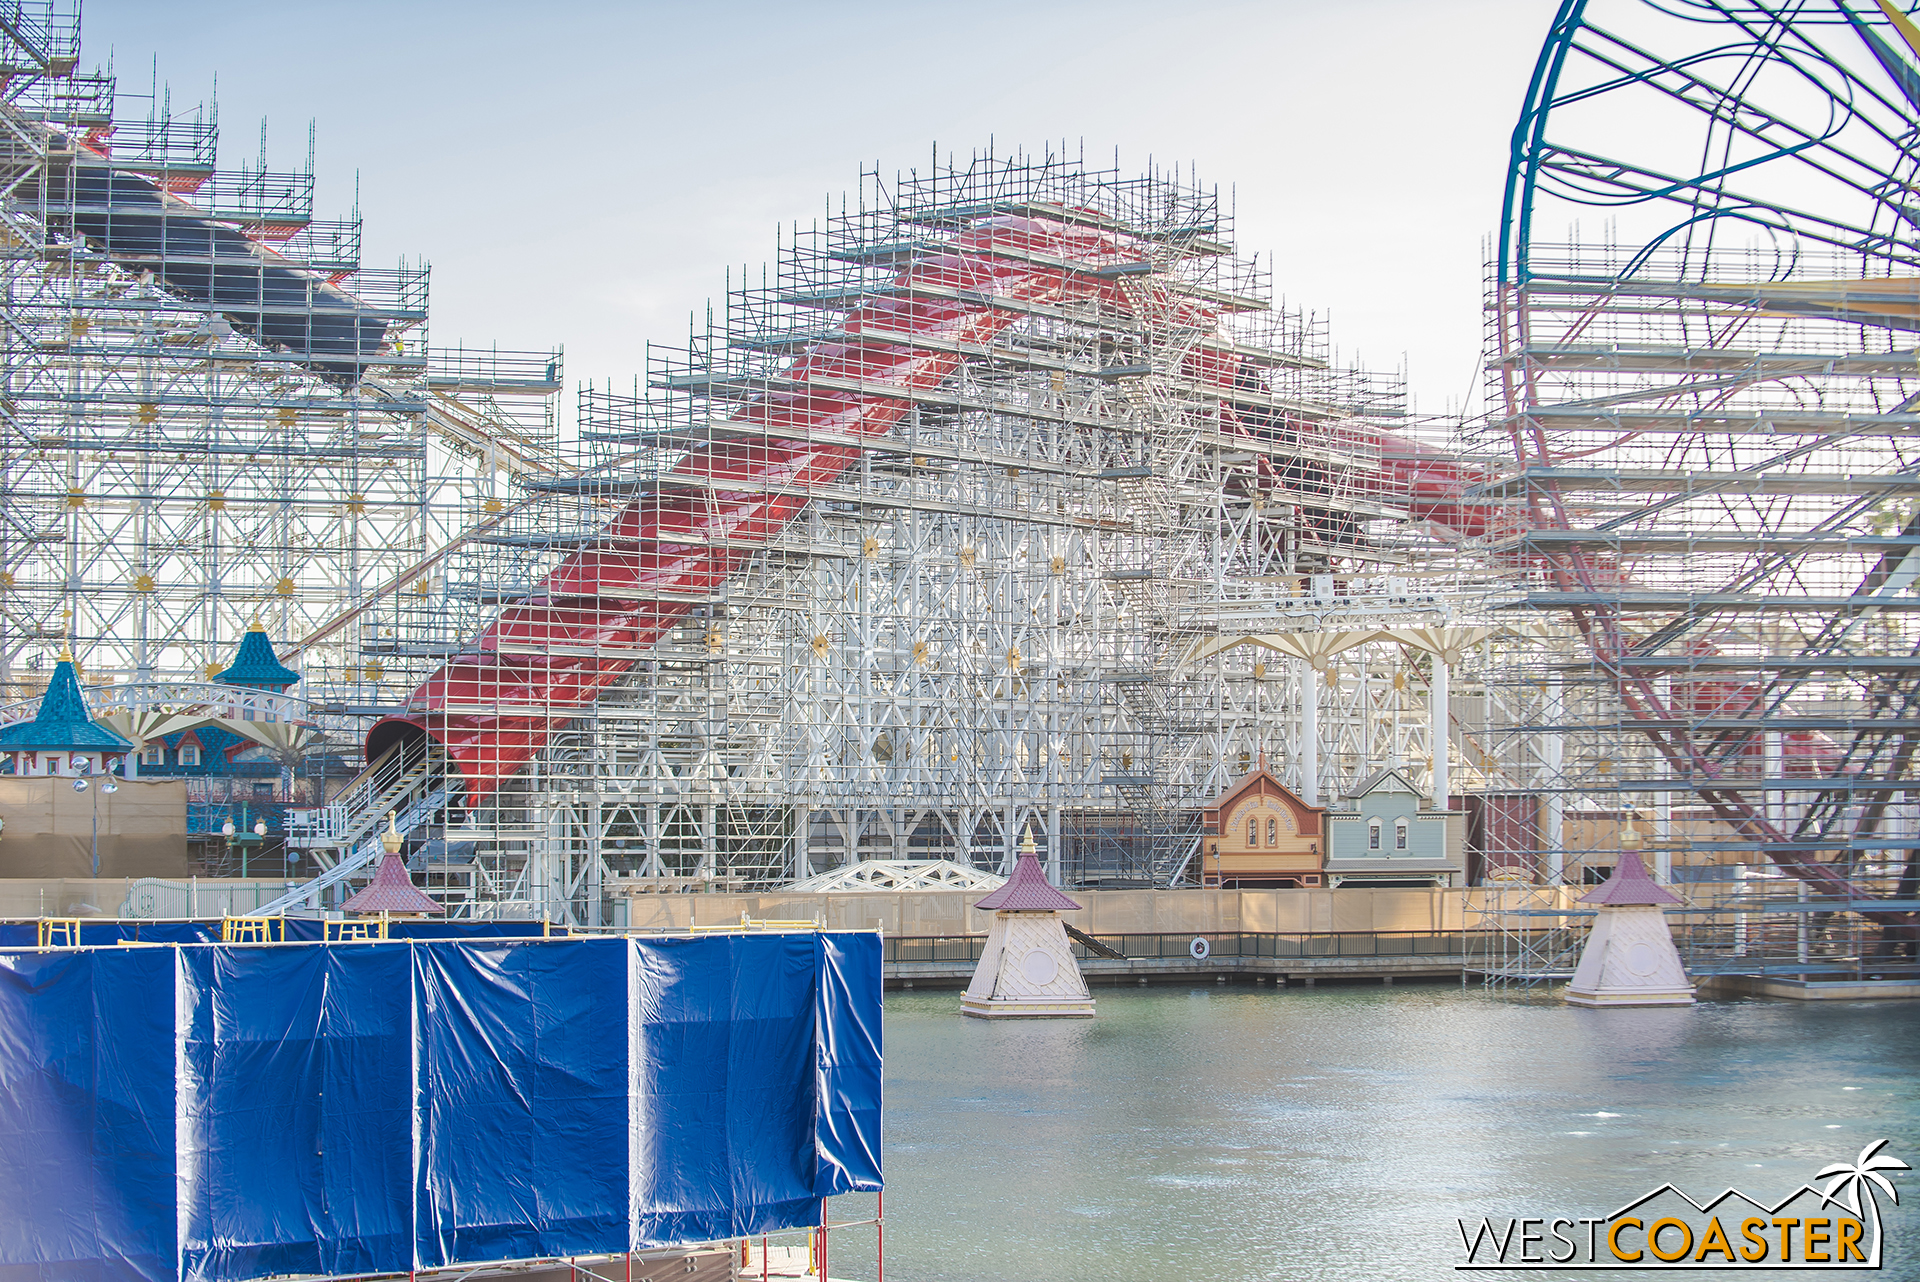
(1220, 945)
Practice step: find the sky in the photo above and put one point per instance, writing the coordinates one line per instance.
(583, 175)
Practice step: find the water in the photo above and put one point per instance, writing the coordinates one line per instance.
(1223, 1134)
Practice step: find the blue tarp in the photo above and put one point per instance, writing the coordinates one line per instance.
(225, 1112)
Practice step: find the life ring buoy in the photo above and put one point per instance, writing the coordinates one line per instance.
(1200, 948)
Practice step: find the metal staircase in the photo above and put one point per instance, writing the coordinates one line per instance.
(409, 780)
(390, 782)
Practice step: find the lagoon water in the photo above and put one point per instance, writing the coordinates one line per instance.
(1239, 1134)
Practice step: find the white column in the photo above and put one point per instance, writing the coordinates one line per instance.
(1663, 801)
(1662, 834)
(594, 884)
(1310, 736)
(1053, 844)
(1553, 762)
(650, 842)
(1773, 758)
(1437, 730)
(1800, 927)
(709, 865)
(1740, 935)
(802, 826)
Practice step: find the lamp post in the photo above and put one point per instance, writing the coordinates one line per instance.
(246, 841)
(109, 787)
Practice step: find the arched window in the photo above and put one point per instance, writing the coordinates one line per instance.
(1399, 834)
(1273, 831)
(1253, 830)
(1373, 834)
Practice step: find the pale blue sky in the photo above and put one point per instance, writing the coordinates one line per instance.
(583, 174)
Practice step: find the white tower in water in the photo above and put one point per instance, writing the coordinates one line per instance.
(1028, 969)
(1629, 959)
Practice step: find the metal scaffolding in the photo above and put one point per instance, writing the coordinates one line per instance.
(213, 413)
(1701, 481)
(951, 526)
(892, 586)
(1007, 499)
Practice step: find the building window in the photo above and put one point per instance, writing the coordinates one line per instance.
(189, 754)
(1400, 834)
(1253, 830)
(1373, 834)
(1273, 831)
(53, 765)
(154, 754)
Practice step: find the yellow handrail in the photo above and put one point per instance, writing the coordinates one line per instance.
(751, 923)
(252, 930)
(60, 932)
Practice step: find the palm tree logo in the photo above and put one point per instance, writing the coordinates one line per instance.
(1861, 1176)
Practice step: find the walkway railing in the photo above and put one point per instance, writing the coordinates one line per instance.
(1450, 944)
(216, 698)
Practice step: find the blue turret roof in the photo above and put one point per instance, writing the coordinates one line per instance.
(256, 665)
(62, 723)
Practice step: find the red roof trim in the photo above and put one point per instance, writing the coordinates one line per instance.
(391, 891)
(1028, 891)
(1630, 885)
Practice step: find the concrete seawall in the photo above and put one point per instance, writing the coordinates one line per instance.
(1290, 972)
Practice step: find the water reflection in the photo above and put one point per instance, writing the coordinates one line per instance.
(1335, 1133)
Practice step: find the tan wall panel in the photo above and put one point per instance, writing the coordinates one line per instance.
(1105, 912)
(1403, 910)
(145, 808)
(45, 854)
(63, 896)
(59, 897)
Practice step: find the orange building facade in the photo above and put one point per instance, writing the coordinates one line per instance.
(1259, 836)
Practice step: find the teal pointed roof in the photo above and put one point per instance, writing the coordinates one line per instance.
(256, 664)
(62, 723)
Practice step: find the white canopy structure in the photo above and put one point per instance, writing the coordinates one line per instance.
(898, 874)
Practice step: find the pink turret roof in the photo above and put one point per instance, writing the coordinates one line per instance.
(1028, 890)
(1629, 885)
(391, 891)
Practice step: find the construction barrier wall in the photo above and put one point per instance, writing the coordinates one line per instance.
(136, 896)
(210, 1112)
(50, 830)
(1103, 912)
